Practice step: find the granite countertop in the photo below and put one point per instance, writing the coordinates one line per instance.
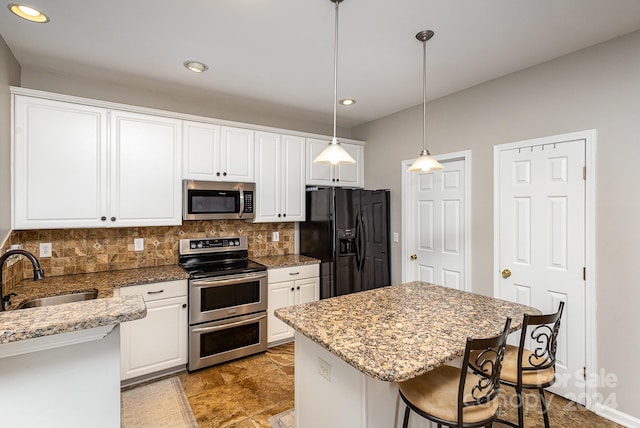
(399, 332)
(16, 325)
(272, 262)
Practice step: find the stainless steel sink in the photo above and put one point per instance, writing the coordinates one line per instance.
(58, 300)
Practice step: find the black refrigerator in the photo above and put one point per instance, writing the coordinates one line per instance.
(348, 231)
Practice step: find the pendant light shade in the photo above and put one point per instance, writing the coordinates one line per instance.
(334, 153)
(425, 162)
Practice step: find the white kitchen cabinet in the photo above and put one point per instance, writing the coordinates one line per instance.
(280, 178)
(157, 343)
(146, 185)
(289, 286)
(218, 153)
(322, 174)
(69, 173)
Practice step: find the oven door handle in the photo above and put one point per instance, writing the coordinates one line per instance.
(227, 279)
(226, 326)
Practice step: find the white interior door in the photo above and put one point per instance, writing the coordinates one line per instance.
(540, 193)
(437, 225)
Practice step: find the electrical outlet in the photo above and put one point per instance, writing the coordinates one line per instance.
(395, 237)
(138, 244)
(45, 250)
(276, 236)
(324, 369)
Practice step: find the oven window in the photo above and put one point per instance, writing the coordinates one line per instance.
(227, 296)
(211, 202)
(229, 339)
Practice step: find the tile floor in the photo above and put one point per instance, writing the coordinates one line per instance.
(246, 393)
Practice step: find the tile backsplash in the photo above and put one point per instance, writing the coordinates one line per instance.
(96, 250)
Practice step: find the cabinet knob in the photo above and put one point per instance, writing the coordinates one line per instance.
(292, 288)
(184, 305)
(113, 219)
(103, 218)
(298, 287)
(333, 179)
(284, 215)
(337, 179)
(218, 174)
(279, 215)
(224, 173)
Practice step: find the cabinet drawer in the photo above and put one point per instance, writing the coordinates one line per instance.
(156, 290)
(293, 273)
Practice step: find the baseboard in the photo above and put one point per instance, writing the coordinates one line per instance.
(616, 416)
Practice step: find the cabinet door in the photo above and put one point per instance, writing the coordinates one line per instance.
(201, 151)
(156, 342)
(268, 177)
(317, 174)
(307, 290)
(351, 175)
(293, 178)
(146, 173)
(60, 164)
(281, 295)
(237, 154)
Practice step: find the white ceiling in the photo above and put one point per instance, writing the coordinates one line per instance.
(281, 51)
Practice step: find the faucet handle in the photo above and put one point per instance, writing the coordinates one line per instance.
(6, 300)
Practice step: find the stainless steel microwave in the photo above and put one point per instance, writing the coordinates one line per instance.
(213, 200)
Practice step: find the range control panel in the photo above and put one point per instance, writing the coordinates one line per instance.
(212, 245)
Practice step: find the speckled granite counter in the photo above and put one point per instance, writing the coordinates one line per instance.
(272, 262)
(16, 325)
(104, 282)
(399, 332)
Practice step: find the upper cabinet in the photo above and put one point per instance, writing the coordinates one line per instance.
(321, 174)
(279, 177)
(70, 173)
(218, 153)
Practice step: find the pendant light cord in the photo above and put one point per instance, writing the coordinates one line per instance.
(335, 74)
(424, 97)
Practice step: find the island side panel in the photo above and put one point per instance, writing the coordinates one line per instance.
(348, 399)
(70, 386)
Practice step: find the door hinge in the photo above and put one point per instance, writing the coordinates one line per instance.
(584, 273)
(584, 373)
(584, 172)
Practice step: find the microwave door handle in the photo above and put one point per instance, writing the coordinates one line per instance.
(226, 326)
(241, 212)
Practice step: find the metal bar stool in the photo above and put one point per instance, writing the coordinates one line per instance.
(457, 397)
(525, 369)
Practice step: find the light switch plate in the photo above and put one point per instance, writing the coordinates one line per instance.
(276, 236)
(138, 244)
(395, 237)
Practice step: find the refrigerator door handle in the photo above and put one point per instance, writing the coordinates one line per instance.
(356, 241)
(362, 241)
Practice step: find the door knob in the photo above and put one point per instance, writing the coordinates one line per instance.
(414, 257)
(506, 273)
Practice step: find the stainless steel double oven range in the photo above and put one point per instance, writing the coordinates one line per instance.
(227, 300)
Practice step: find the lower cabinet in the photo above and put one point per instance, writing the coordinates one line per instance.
(158, 342)
(289, 286)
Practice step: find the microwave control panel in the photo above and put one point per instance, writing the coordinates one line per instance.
(248, 202)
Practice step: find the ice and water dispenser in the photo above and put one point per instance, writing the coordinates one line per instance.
(347, 241)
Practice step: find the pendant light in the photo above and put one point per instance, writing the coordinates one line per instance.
(425, 163)
(334, 153)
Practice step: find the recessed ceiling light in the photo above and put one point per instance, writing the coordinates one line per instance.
(28, 13)
(347, 101)
(196, 66)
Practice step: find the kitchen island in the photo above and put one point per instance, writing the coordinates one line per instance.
(350, 351)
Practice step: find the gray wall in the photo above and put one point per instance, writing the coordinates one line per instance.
(163, 96)
(9, 76)
(599, 88)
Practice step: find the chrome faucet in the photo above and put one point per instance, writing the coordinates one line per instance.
(38, 273)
